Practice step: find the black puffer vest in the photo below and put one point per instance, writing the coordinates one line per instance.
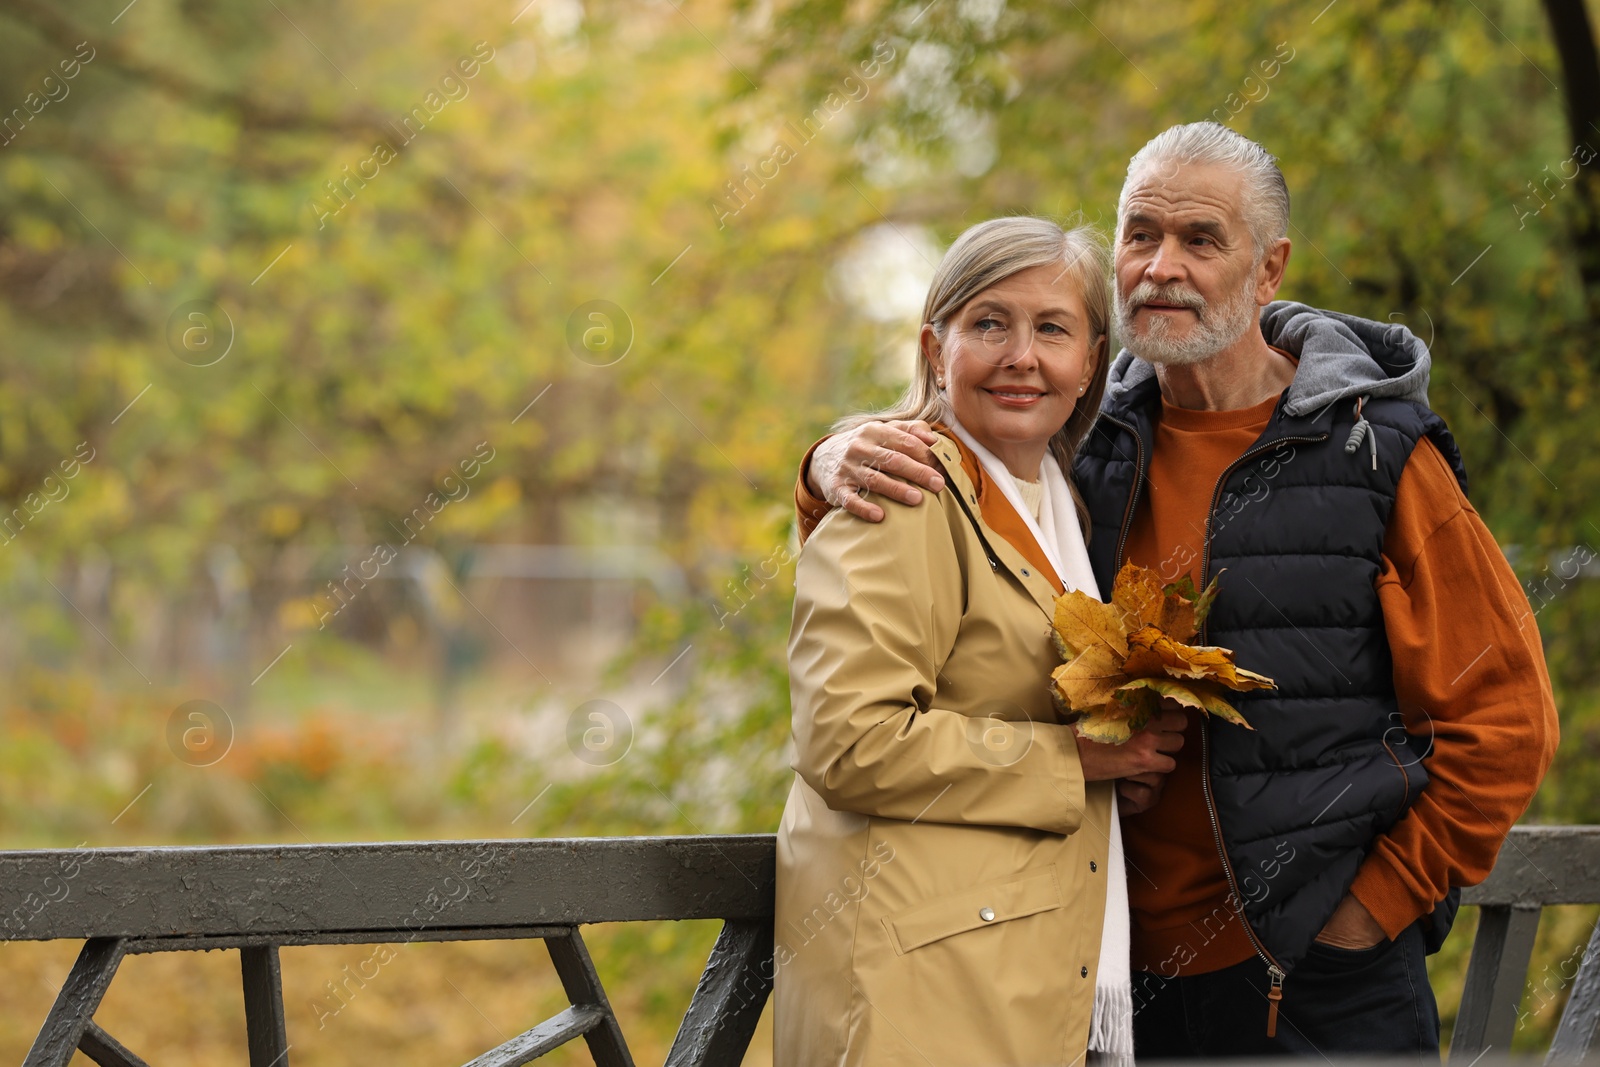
(1298, 525)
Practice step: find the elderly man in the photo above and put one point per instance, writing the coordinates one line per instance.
(1285, 883)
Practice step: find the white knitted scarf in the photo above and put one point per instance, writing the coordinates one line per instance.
(1061, 537)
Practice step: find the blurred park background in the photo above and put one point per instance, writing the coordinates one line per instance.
(401, 401)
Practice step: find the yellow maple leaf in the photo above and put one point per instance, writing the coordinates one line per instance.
(1137, 591)
(1197, 694)
(1177, 619)
(1113, 722)
(1091, 678)
(1167, 687)
(1104, 729)
(1179, 660)
(1082, 622)
(1183, 589)
(1216, 705)
(1143, 662)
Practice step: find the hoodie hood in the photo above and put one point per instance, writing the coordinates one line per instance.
(1341, 358)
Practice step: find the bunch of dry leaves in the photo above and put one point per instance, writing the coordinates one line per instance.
(1123, 657)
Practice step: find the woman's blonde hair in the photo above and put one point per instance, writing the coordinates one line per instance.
(989, 253)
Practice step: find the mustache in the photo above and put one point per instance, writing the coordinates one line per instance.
(1181, 296)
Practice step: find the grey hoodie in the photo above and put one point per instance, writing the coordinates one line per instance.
(1341, 357)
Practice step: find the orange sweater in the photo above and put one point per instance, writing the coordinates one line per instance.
(1177, 890)
(1469, 672)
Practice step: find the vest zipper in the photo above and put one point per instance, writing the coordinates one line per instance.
(1275, 973)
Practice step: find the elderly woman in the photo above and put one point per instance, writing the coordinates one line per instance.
(950, 883)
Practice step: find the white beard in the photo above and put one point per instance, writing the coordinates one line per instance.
(1217, 328)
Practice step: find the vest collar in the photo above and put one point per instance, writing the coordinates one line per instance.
(1340, 357)
(1137, 406)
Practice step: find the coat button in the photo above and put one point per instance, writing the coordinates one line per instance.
(986, 914)
(1092, 867)
(1083, 972)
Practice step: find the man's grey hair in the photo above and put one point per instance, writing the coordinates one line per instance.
(1266, 194)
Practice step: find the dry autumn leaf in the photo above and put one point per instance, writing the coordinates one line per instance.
(1194, 661)
(1184, 588)
(1190, 695)
(1092, 678)
(1127, 711)
(1178, 619)
(1138, 592)
(1083, 622)
(1122, 658)
(1215, 705)
(1104, 729)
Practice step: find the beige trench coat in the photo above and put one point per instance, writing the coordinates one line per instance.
(941, 861)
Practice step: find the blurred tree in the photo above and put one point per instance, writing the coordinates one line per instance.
(405, 259)
(1573, 35)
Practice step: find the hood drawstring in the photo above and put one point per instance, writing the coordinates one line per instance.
(1362, 430)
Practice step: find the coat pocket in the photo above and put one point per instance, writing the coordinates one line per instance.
(1028, 893)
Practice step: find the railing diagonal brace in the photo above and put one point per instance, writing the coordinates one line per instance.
(75, 1005)
(582, 985)
(727, 1004)
(106, 1050)
(1578, 1018)
(550, 1034)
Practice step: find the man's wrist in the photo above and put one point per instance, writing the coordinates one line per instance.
(807, 480)
(808, 506)
(810, 495)
(1388, 895)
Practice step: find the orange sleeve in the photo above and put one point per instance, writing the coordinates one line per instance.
(1470, 674)
(808, 509)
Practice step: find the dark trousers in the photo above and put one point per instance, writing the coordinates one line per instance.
(1374, 1001)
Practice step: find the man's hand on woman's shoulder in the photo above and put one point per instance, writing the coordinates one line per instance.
(891, 458)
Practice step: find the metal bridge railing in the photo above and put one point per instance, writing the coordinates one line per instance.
(258, 899)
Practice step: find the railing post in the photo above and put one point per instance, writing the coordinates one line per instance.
(263, 1006)
(1496, 978)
